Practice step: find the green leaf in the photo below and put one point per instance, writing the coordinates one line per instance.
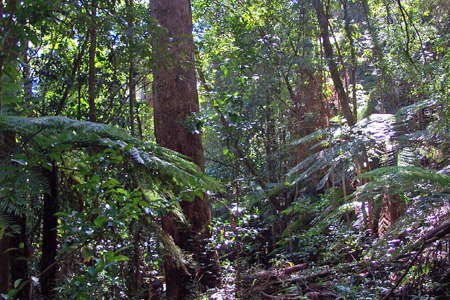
(119, 258)
(17, 282)
(100, 221)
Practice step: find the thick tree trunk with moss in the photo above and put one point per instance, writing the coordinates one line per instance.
(176, 100)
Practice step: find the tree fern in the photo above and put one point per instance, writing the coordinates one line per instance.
(345, 147)
(379, 135)
(390, 148)
(401, 179)
(157, 171)
(48, 133)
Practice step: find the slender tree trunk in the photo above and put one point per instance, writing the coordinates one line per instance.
(26, 74)
(7, 141)
(309, 112)
(176, 99)
(4, 266)
(353, 61)
(332, 66)
(132, 66)
(92, 53)
(19, 257)
(73, 75)
(132, 92)
(386, 83)
(135, 276)
(49, 267)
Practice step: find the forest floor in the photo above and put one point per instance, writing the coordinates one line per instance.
(421, 270)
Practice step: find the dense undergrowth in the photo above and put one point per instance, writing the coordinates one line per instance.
(311, 136)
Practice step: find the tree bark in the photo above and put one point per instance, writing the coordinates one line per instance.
(176, 100)
(49, 267)
(92, 73)
(332, 66)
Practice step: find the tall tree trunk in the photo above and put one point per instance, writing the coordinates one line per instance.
(332, 66)
(353, 61)
(13, 245)
(49, 236)
(386, 83)
(176, 99)
(309, 111)
(132, 92)
(73, 75)
(92, 73)
(26, 74)
(132, 66)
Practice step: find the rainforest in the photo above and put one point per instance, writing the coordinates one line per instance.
(224, 149)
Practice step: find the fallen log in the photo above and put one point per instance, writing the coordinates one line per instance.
(273, 274)
(320, 295)
(284, 297)
(308, 277)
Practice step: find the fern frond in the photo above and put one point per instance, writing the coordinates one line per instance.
(369, 139)
(316, 135)
(48, 132)
(398, 180)
(410, 174)
(407, 113)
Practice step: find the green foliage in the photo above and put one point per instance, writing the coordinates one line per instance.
(298, 179)
(345, 150)
(402, 179)
(99, 209)
(54, 135)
